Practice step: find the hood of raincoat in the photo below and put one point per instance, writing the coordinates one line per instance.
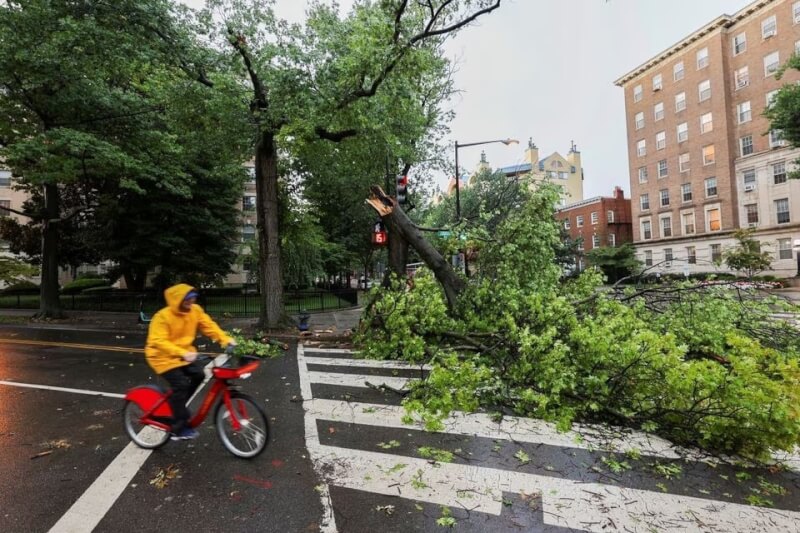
(175, 295)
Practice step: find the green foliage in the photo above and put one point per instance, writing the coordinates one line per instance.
(22, 287)
(704, 366)
(747, 257)
(442, 456)
(784, 112)
(615, 262)
(253, 346)
(74, 287)
(12, 271)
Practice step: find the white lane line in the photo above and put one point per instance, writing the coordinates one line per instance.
(328, 520)
(92, 506)
(566, 503)
(328, 350)
(356, 380)
(62, 389)
(366, 363)
(515, 429)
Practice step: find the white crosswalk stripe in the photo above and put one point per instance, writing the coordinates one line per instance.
(570, 503)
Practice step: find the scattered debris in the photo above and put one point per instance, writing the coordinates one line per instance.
(389, 445)
(41, 454)
(62, 444)
(388, 509)
(164, 476)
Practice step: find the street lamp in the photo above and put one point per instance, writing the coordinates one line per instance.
(796, 248)
(458, 182)
(458, 179)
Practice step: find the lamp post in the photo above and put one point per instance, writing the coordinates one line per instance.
(796, 248)
(458, 181)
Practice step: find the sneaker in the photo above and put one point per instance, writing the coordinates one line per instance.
(185, 434)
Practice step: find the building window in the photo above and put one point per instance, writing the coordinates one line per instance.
(668, 255)
(251, 174)
(708, 154)
(704, 90)
(683, 132)
(706, 123)
(5, 205)
(562, 175)
(661, 140)
(566, 223)
(741, 78)
(711, 187)
(743, 110)
(779, 172)
(642, 174)
(752, 213)
(639, 120)
(248, 203)
(796, 12)
(248, 233)
(746, 145)
(683, 162)
(739, 44)
(657, 86)
(648, 258)
(771, 64)
(5, 178)
(612, 240)
(647, 232)
(677, 71)
(579, 221)
(595, 241)
(594, 218)
(769, 27)
(662, 168)
(797, 47)
(771, 97)
(691, 255)
(680, 102)
(637, 93)
(580, 244)
(749, 179)
(688, 223)
(610, 216)
(644, 202)
(784, 248)
(713, 219)
(658, 111)
(702, 58)
(782, 210)
(664, 195)
(776, 139)
(716, 253)
(641, 148)
(686, 192)
(666, 227)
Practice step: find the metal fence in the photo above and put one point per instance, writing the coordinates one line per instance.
(233, 305)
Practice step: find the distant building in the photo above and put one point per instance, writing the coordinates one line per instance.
(599, 222)
(703, 161)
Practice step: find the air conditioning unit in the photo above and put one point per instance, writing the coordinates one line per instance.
(770, 34)
(749, 188)
(753, 225)
(656, 89)
(742, 83)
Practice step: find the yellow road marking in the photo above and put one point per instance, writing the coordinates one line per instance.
(81, 346)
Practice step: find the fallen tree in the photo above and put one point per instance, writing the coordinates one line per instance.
(702, 365)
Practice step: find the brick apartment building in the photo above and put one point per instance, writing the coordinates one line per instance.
(702, 159)
(599, 221)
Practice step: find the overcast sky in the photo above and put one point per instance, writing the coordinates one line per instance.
(546, 68)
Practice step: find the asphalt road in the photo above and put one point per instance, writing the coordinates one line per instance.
(55, 444)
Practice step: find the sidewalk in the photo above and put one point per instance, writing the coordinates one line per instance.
(326, 325)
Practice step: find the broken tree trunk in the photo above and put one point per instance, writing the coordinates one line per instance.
(399, 224)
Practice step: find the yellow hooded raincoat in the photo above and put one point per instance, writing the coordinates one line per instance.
(172, 331)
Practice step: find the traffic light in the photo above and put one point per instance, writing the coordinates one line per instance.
(402, 189)
(379, 235)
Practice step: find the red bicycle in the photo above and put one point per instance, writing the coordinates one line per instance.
(241, 423)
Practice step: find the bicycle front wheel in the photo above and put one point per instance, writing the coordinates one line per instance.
(142, 434)
(253, 434)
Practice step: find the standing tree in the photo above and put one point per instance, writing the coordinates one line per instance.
(325, 82)
(746, 257)
(784, 111)
(615, 262)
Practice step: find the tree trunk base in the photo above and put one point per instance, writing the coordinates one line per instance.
(50, 315)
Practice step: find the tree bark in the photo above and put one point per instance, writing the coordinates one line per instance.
(269, 251)
(398, 255)
(399, 224)
(49, 302)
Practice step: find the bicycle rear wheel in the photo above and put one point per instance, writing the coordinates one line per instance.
(143, 435)
(253, 434)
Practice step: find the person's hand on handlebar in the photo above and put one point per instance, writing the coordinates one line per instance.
(189, 357)
(230, 347)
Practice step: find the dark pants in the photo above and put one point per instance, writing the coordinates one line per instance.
(184, 381)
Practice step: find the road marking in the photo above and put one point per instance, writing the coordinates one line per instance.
(366, 363)
(328, 350)
(62, 389)
(72, 345)
(517, 429)
(357, 380)
(328, 521)
(92, 506)
(567, 503)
